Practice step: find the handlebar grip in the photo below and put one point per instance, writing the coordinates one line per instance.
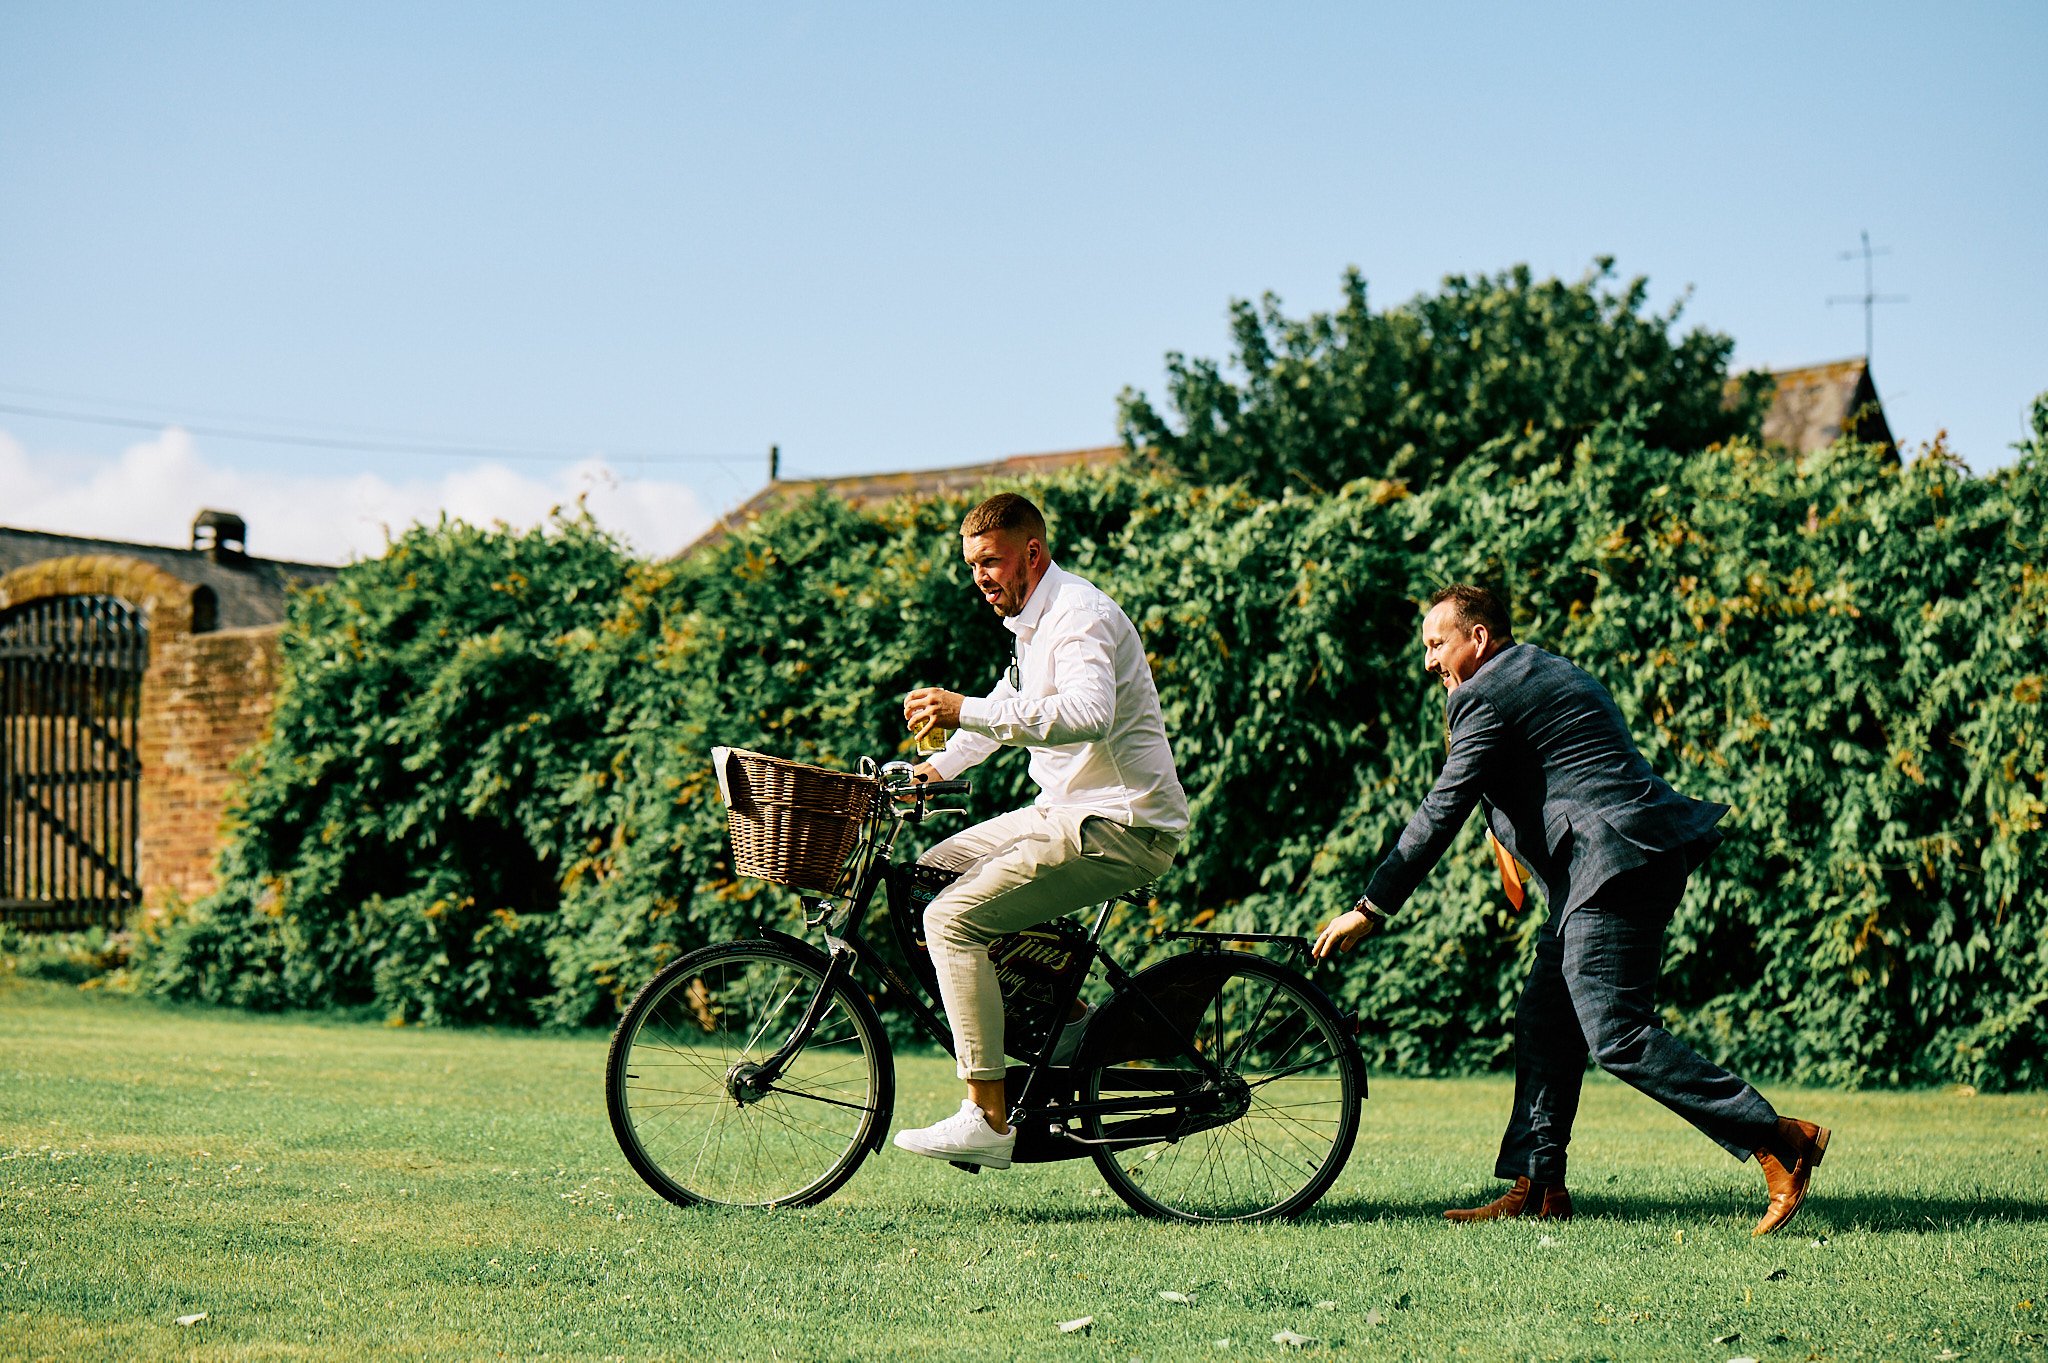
(930, 788)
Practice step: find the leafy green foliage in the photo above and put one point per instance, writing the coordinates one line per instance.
(1506, 363)
(400, 838)
(488, 795)
(91, 957)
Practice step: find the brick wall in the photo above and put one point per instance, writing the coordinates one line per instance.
(205, 701)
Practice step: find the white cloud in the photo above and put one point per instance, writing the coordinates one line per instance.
(151, 491)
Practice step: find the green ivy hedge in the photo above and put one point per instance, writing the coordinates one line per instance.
(487, 795)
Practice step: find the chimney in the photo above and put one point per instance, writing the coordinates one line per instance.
(223, 535)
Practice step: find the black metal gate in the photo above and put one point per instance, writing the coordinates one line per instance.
(70, 695)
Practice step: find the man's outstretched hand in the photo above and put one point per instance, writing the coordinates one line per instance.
(929, 705)
(1348, 929)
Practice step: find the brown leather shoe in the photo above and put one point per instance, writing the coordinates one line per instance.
(1544, 1201)
(1788, 1161)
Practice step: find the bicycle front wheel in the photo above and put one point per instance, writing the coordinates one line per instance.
(1266, 1140)
(697, 1114)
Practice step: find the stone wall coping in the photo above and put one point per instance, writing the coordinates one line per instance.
(165, 600)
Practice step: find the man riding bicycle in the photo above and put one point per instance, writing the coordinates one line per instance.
(1078, 695)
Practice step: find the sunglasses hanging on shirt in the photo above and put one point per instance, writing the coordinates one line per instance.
(1015, 673)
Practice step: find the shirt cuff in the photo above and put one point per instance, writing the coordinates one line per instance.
(947, 763)
(974, 713)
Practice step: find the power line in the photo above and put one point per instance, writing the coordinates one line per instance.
(97, 401)
(456, 450)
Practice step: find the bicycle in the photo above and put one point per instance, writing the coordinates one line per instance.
(1215, 1084)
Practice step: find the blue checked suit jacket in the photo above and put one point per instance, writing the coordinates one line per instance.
(1542, 747)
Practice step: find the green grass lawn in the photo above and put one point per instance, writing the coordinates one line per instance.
(338, 1190)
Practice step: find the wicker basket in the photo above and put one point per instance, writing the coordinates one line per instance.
(791, 823)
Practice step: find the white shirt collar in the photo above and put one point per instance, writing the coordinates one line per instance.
(1025, 622)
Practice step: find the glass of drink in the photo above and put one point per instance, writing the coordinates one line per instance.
(931, 739)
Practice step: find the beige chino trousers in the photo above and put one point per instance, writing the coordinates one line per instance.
(1017, 870)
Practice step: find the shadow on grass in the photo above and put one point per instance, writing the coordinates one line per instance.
(1854, 1212)
(1903, 1211)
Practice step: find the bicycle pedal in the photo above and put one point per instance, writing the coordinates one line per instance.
(964, 1167)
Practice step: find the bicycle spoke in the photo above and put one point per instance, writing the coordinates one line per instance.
(1251, 1138)
(820, 1098)
(1314, 1063)
(780, 1004)
(1251, 1028)
(801, 1130)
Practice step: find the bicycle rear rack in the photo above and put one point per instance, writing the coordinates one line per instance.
(1213, 941)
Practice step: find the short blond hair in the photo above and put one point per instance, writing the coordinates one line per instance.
(1005, 511)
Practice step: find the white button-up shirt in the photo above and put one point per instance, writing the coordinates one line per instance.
(1086, 709)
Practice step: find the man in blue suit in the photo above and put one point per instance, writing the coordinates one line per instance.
(1542, 748)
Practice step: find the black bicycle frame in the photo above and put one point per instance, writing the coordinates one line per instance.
(1042, 1133)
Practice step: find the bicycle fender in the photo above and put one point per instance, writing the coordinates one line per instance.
(808, 950)
(1178, 988)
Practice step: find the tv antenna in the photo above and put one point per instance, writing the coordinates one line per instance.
(1870, 297)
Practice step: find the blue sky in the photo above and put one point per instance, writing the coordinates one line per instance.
(641, 243)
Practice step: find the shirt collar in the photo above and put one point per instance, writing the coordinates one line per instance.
(1025, 622)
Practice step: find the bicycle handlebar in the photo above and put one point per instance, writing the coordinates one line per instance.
(907, 795)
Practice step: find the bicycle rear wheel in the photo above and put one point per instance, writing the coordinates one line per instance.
(697, 1116)
(1269, 1139)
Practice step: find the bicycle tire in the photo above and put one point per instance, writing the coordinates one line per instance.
(1303, 1083)
(675, 1079)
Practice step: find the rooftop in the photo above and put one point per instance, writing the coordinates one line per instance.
(247, 591)
(1816, 404)
(862, 489)
(1810, 409)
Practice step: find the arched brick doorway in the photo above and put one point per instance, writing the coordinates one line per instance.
(81, 640)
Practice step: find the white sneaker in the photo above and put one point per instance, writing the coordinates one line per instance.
(965, 1138)
(1069, 1045)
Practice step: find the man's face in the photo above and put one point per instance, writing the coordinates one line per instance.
(1002, 562)
(1450, 652)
